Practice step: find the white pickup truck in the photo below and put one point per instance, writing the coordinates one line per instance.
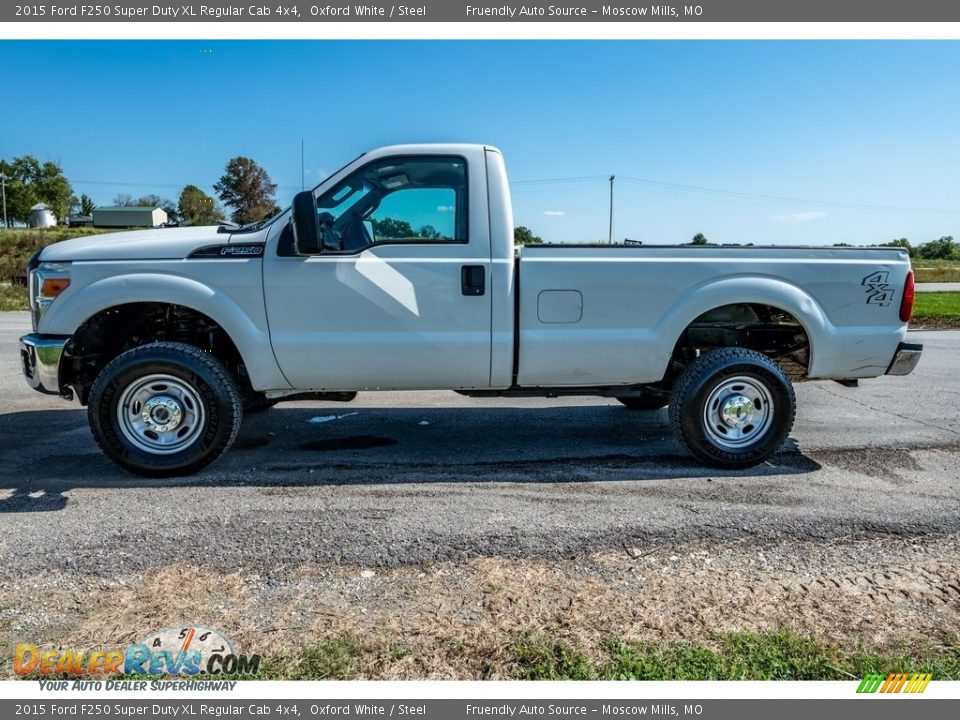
(399, 272)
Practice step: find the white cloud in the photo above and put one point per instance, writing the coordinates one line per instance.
(445, 208)
(798, 218)
(554, 213)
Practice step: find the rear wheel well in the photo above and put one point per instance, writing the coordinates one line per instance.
(770, 330)
(115, 330)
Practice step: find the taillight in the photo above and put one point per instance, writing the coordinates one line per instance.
(906, 300)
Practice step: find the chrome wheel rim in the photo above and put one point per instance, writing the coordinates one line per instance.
(737, 412)
(160, 414)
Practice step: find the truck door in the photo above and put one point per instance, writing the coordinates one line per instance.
(399, 298)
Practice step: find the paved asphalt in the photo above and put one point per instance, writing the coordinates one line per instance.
(403, 478)
(938, 287)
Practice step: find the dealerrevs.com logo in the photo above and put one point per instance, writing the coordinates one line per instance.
(186, 651)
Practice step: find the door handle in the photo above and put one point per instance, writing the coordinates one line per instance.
(472, 280)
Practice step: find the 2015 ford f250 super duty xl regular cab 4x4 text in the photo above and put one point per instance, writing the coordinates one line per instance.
(399, 273)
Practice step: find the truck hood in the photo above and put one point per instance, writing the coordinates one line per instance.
(159, 244)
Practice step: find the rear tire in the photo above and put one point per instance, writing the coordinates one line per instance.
(644, 402)
(164, 410)
(733, 408)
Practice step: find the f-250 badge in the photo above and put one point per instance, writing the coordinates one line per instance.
(879, 291)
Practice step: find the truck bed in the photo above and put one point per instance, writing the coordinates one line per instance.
(612, 314)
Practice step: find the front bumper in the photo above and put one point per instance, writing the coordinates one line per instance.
(40, 358)
(905, 359)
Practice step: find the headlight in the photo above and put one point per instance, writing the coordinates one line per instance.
(47, 282)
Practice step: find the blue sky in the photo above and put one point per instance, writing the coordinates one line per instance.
(855, 141)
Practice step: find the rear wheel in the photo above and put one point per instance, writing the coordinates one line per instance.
(733, 407)
(644, 402)
(164, 409)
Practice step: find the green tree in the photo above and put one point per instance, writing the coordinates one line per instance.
(30, 182)
(901, 243)
(21, 195)
(699, 239)
(83, 205)
(523, 235)
(198, 208)
(429, 232)
(394, 229)
(941, 249)
(246, 187)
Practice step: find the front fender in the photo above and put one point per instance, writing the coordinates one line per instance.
(252, 339)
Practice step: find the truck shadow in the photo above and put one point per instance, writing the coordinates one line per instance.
(45, 453)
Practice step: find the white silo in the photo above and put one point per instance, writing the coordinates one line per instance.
(42, 217)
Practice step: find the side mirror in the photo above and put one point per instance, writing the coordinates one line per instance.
(307, 239)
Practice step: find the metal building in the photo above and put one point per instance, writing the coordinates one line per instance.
(77, 220)
(128, 217)
(42, 217)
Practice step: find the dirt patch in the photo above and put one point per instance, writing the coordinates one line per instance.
(935, 324)
(452, 619)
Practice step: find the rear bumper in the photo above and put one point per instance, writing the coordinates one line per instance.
(905, 359)
(40, 359)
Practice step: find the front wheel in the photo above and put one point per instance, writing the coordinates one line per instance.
(164, 409)
(733, 408)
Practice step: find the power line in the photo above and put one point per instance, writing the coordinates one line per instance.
(122, 183)
(558, 181)
(782, 198)
(610, 232)
(3, 185)
(703, 190)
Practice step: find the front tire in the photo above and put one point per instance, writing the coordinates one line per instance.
(164, 409)
(733, 408)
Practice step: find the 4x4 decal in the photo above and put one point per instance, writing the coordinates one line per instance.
(879, 291)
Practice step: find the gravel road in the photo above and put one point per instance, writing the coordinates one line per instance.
(450, 527)
(394, 479)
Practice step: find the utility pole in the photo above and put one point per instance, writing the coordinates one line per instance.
(3, 185)
(302, 182)
(610, 233)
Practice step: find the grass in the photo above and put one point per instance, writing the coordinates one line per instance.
(13, 297)
(940, 307)
(936, 270)
(779, 655)
(335, 659)
(18, 245)
(776, 655)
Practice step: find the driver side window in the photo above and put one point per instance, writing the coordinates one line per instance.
(397, 200)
